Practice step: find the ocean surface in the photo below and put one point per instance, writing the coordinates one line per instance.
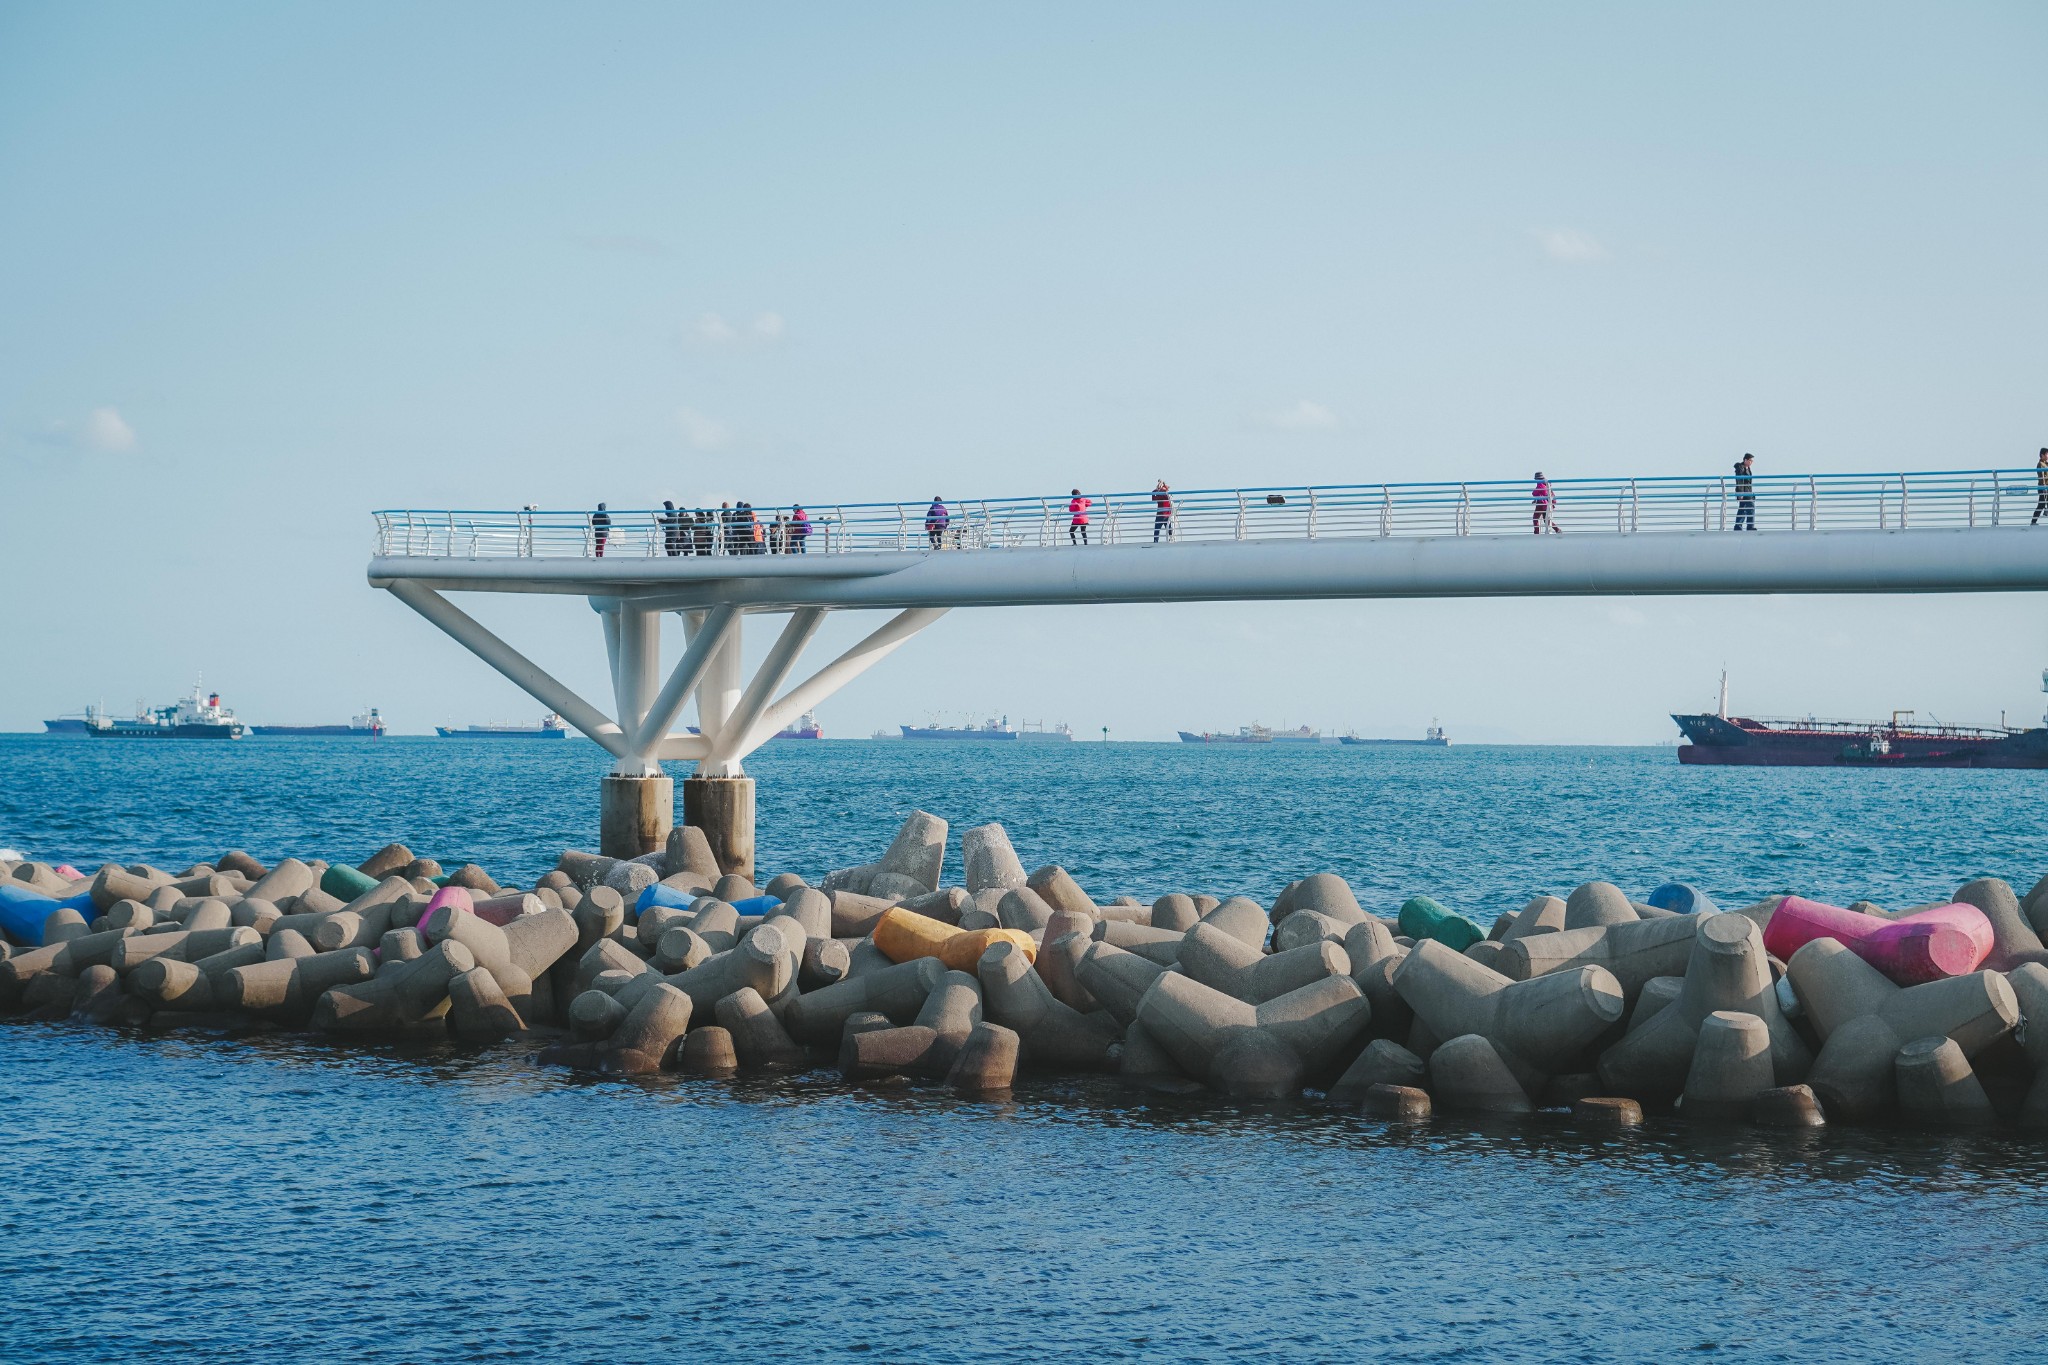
(276, 1198)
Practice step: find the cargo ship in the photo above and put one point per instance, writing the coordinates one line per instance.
(199, 716)
(989, 731)
(1433, 737)
(550, 727)
(77, 724)
(1717, 738)
(369, 725)
(1034, 732)
(1246, 734)
(806, 727)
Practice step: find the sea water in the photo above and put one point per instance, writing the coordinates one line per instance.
(278, 1197)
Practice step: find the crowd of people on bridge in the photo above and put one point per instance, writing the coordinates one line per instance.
(733, 528)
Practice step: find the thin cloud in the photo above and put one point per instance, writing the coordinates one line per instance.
(107, 430)
(1303, 416)
(701, 432)
(1570, 246)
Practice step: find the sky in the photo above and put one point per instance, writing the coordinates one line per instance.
(265, 268)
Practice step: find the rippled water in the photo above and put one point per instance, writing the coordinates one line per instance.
(273, 1198)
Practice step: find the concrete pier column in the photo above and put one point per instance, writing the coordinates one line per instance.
(723, 807)
(638, 812)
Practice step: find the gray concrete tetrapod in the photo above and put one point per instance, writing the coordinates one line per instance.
(1325, 894)
(1731, 1066)
(1059, 890)
(2029, 982)
(1117, 979)
(898, 991)
(987, 1063)
(1725, 970)
(2013, 939)
(1635, 951)
(1863, 1020)
(1054, 1034)
(1937, 1086)
(1542, 915)
(989, 862)
(1468, 1074)
(1597, 903)
(918, 851)
(1215, 958)
(1539, 1027)
(1383, 1062)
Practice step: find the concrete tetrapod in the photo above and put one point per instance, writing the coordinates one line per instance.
(2014, 939)
(1597, 903)
(1731, 1066)
(1538, 1027)
(287, 987)
(1635, 951)
(898, 991)
(987, 1063)
(1117, 979)
(1243, 918)
(1863, 1020)
(990, 863)
(1937, 1086)
(1325, 894)
(902, 936)
(1468, 1073)
(1543, 915)
(757, 1035)
(1927, 945)
(1059, 891)
(1383, 1062)
(1247, 1051)
(393, 1001)
(649, 1033)
(1726, 970)
(1054, 1034)
(1214, 958)
(2029, 982)
(928, 1046)
(918, 851)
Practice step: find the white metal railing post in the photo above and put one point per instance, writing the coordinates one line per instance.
(1812, 502)
(1997, 498)
(1311, 514)
(1386, 512)
(1044, 522)
(1109, 515)
(1464, 510)
(1902, 502)
(1240, 514)
(1973, 502)
(1634, 506)
(1723, 482)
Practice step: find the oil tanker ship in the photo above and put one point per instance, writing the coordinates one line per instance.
(1719, 739)
(369, 725)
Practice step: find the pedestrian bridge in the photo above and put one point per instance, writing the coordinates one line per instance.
(1954, 531)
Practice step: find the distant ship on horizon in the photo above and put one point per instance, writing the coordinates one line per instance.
(199, 716)
(550, 727)
(806, 727)
(369, 725)
(1721, 740)
(1433, 737)
(992, 730)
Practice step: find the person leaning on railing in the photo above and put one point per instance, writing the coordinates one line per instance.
(2041, 487)
(936, 518)
(1077, 518)
(799, 530)
(600, 528)
(1544, 513)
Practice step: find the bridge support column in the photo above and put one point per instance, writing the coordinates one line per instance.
(723, 807)
(635, 816)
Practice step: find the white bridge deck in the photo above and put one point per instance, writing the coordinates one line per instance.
(1955, 531)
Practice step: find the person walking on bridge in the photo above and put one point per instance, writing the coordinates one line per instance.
(1077, 518)
(1543, 516)
(671, 528)
(936, 518)
(2041, 487)
(1745, 495)
(600, 528)
(1162, 511)
(799, 530)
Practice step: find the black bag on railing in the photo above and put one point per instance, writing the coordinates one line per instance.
(1275, 500)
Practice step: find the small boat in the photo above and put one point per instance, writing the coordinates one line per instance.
(550, 727)
(369, 725)
(1433, 737)
(199, 716)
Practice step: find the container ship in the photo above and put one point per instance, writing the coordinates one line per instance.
(369, 725)
(199, 716)
(1254, 734)
(1717, 738)
(1433, 737)
(550, 727)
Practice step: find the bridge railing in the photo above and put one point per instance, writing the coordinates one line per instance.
(1770, 504)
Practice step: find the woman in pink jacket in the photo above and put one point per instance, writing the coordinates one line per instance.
(1077, 518)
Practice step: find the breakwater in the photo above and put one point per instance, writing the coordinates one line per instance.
(1787, 1012)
